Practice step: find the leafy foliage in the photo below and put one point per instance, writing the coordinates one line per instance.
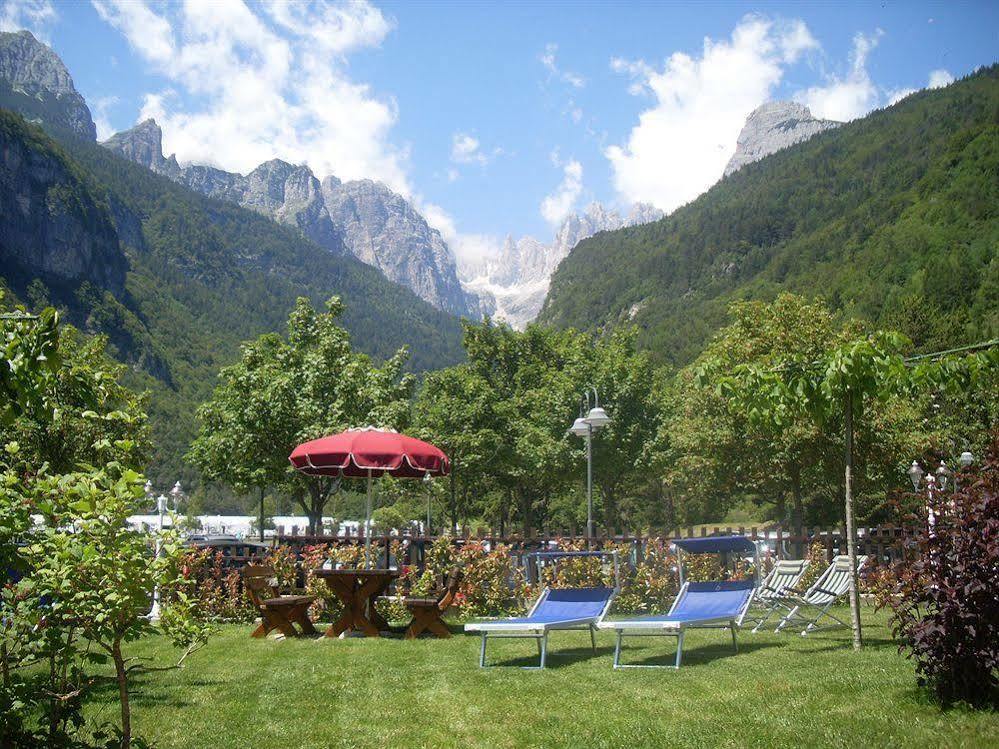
(503, 416)
(891, 218)
(944, 604)
(78, 579)
(725, 439)
(283, 392)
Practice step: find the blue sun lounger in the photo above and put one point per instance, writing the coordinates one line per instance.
(555, 609)
(718, 604)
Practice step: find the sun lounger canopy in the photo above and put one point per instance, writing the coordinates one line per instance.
(715, 544)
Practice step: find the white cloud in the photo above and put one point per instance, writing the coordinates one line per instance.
(37, 16)
(680, 146)
(466, 149)
(558, 205)
(940, 78)
(99, 108)
(548, 59)
(248, 84)
(336, 28)
(937, 79)
(849, 97)
(896, 95)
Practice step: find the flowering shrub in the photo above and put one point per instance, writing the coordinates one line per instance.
(216, 589)
(816, 555)
(492, 585)
(651, 587)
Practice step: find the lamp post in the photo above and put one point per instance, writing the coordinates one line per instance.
(163, 505)
(936, 481)
(584, 426)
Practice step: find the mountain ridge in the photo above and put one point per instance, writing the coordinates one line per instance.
(362, 217)
(892, 218)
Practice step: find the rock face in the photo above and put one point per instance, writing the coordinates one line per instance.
(34, 82)
(771, 127)
(362, 217)
(381, 228)
(290, 194)
(514, 284)
(51, 225)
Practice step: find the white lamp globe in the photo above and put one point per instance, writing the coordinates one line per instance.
(597, 417)
(579, 427)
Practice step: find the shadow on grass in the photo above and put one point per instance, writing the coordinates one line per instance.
(557, 657)
(146, 691)
(666, 655)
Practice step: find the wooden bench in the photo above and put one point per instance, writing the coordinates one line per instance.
(428, 613)
(276, 611)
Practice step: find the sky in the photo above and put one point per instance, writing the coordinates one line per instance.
(495, 118)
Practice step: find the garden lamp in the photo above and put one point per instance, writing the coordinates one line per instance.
(597, 417)
(943, 474)
(915, 475)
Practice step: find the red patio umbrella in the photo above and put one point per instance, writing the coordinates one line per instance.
(368, 452)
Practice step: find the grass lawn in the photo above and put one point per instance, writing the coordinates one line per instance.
(780, 690)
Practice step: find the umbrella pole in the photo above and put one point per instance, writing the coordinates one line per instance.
(367, 527)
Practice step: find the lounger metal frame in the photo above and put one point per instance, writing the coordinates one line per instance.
(663, 628)
(809, 608)
(540, 632)
(773, 595)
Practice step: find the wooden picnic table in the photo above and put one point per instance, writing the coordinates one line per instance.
(357, 589)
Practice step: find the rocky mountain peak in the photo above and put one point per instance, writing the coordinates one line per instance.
(36, 83)
(771, 127)
(516, 281)
(143, 144)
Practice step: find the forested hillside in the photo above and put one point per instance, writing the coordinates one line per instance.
(202, 275)
(893, 218)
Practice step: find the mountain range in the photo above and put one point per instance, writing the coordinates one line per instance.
(174, 278)
(892, 218)
(362, 217)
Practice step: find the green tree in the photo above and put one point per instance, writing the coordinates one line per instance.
(851, 380)
(719, 450)
(503, 418)
(456, 410)
(82, 579)
(284, 391)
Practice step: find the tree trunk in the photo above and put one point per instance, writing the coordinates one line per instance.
(851, 544)
(797, 511)
(126, 712)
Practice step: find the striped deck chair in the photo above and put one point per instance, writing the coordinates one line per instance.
(773, 595)
(809, 607)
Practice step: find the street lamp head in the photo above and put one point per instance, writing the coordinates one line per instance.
(597, 417)
(915, 475)
(148, 488)
(580, 427)
(966, 459)
(943, 474)
(177, 492)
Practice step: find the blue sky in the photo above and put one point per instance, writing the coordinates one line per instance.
(503, 117)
